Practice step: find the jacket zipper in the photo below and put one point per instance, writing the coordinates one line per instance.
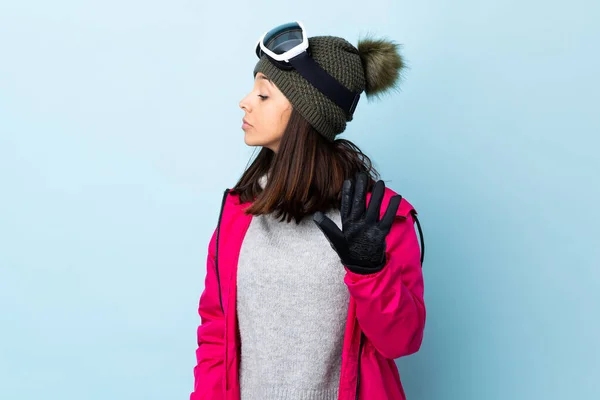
(217, 250)
(362, 335)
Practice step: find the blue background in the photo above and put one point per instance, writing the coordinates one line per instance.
(120, 129)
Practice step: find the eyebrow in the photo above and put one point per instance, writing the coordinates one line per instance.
(265, 78)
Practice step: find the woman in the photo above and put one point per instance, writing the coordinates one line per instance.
(318, 308)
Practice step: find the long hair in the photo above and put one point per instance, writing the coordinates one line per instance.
(305, 175)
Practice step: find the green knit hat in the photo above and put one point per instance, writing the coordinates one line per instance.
(373, 67)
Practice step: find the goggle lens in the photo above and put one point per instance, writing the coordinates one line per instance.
(282, 38)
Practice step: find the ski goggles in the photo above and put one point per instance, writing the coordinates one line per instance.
(286, 46)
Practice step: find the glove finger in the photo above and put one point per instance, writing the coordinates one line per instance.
(375, 203)
(347, 191)
(360, 192)
(386, 222)
(331, 231)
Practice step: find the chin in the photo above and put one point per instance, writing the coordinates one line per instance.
(249, 141)
(256, 142)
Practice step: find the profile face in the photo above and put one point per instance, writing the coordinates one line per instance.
(267, 112)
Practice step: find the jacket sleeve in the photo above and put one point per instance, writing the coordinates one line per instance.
(210, 353)
(389, 303)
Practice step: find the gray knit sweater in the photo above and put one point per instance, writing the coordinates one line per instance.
(292, 304)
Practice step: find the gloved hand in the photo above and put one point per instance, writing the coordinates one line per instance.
(361, 242)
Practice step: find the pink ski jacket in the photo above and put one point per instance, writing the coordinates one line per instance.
(386, 313)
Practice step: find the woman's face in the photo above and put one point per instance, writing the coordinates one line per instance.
(267, 112)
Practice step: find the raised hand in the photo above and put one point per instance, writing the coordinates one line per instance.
(361, 242)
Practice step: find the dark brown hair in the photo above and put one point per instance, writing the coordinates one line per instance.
(305, 175)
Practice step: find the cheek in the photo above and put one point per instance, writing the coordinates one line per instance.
(276, 122)
(284, 118)
(279, 125)
(272, 121)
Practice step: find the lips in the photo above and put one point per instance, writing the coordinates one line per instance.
(246, 122)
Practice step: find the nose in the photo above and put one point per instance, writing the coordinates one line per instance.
(245, 104)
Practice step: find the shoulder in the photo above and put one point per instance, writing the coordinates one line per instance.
(232, 204)
(231, 197)
(404, 209)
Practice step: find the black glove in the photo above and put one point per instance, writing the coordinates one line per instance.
(361, 242)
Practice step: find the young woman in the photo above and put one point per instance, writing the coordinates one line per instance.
(313, 282)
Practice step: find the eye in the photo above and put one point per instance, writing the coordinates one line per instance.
(263, 97)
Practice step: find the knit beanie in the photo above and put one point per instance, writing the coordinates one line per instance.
(373, 67)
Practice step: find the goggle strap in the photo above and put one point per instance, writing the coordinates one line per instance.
(325, 83)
